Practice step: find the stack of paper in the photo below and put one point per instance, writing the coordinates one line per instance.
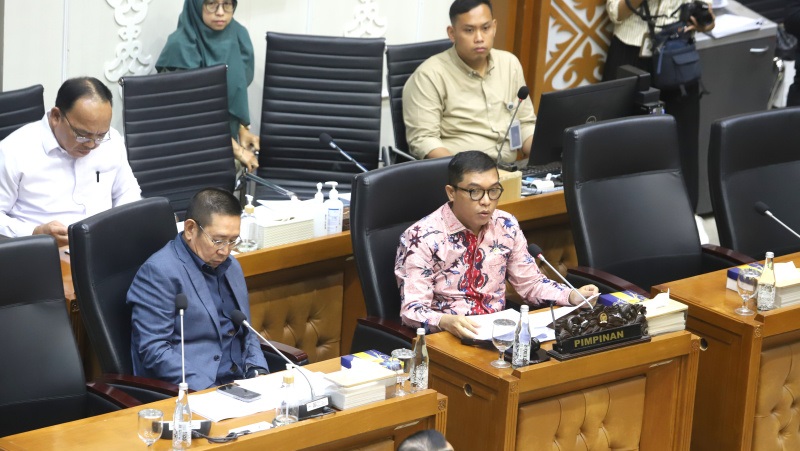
(362, 384)
(729, 24)
(663, 313)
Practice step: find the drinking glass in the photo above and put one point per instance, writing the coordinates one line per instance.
(747, 285)
(503, 338)
(150, 426)
(403, 357)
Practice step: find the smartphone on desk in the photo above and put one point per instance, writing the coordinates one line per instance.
(237, 392)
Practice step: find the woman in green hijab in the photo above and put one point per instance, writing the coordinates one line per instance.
(207, 36)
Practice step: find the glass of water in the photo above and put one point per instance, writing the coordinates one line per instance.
(150, 425)
(403, 357)
(503, 338)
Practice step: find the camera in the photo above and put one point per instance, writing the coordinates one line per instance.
(698, 10)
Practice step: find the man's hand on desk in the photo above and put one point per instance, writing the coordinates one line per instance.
(587, 291)
(54, 228)
(460, 326)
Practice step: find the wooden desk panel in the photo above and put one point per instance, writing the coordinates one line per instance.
(393, 419)
(729, 368)
(484, 401)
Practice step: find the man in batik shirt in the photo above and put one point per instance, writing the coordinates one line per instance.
(454, 262)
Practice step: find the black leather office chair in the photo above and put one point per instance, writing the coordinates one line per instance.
(42, 376)
(385, 202)
(20, 107)
(629, 207)
(314, 85)
(106, 251)
(754, 157)
(177, 133)
(401, 62)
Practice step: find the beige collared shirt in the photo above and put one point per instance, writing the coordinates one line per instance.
(632, 29)
(448, 104)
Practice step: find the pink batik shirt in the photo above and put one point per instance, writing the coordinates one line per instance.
(444, 268)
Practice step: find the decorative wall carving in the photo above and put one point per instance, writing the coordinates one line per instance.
(367, 22)
(129, 14)
(579, 35)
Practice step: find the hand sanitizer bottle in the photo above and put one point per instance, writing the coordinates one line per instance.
(334, 210)
(248, 229)
(319, 212)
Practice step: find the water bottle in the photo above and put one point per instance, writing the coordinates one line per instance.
(289, 407)
(766, 285)
(522, 340)
(182, 420)
(248, 229)
(419, 364)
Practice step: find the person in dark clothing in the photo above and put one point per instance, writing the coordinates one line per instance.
(792, 24)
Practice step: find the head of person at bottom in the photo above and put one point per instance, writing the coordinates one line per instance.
(427, 440)
(473, 188)
(211, 227)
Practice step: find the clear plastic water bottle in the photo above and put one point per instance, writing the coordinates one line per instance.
(766, 285)
(522, 340)
(288, 410)
(419, 364)
(182, 420)
(248, 229)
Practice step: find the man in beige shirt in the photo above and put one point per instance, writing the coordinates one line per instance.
(463, 98)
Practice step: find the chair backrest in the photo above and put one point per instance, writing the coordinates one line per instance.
(401, 62)
(314, 85)
(42, 376)
(384, 203)
(754, 157)
(177, 133)
(106, 251)
(20, 107)
(627, 202)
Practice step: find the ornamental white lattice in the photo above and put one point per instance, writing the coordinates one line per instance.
(367, 22)
(129, 59)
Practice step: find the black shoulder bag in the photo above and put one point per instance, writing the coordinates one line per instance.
(676, 62)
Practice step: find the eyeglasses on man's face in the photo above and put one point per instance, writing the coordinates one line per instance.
(221, 244)
(212, 7)
(477, 194)
(83, 139)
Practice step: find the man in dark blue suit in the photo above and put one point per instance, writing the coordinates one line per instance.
(198, 264)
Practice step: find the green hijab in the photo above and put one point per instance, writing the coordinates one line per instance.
(194, 45)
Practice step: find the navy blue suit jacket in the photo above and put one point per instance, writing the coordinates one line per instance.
(155, 336)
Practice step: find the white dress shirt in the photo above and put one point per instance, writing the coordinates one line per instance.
(40, 182)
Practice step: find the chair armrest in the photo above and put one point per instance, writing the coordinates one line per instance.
(391, 327)
(399, 152)
(112, 395)
(296, 356)
(139, 382)
(723, 253)
(607, 279)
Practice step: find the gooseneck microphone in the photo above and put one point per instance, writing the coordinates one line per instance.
(536, 251)
(763, 209)
(181, 303)
(522, 94)
(326, 139)
(240, 319)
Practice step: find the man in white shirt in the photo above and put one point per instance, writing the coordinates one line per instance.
(66, 167)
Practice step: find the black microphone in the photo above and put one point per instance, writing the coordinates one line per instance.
(763, 209)
(181, 303)
(239, 318)
(536, 251)
(522, 94)
(326, 139)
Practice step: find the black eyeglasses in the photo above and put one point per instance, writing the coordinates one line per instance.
(221, 244)
(82, 139)
(212, 7)
(477, 194)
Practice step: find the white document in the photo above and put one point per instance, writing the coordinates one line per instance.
(538, 322)
(729, 24)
